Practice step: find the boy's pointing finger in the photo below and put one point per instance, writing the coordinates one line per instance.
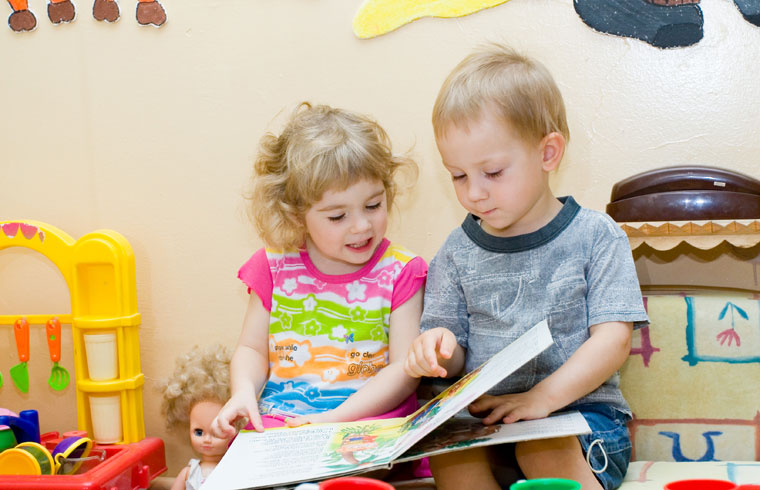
(447, 345)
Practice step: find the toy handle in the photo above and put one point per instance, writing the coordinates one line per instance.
(21, 331)
(53, 330)
(26, 427)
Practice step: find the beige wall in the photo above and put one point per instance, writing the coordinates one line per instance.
(151, 132)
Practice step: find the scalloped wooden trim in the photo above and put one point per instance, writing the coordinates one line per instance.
(665, 235)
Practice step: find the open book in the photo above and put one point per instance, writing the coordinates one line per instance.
(313, 452)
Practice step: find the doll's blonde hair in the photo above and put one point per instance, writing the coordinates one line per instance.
(321, 148)
(203, 374)
(519, 89)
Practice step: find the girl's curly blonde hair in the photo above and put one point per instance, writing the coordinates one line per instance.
(203, 374)
(321, 148)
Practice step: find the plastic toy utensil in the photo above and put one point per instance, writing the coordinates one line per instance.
(70, 453)
(20, 372)
(59, 376)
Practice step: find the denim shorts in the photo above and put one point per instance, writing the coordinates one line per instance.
(608, 447)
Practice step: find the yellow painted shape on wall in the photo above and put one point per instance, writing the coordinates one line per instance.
(378, 17)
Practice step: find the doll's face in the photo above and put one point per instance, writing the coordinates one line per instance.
(210, 448)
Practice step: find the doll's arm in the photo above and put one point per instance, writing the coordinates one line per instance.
(591, 365)
(391, 385)
(249, 368)
(179, 482)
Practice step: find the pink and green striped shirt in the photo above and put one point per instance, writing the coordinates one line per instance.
(328, 334)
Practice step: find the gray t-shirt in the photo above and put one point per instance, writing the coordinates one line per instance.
(575, 272)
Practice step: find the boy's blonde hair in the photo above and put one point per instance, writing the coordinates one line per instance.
(495, 77)
(203, 374)
(321, 148)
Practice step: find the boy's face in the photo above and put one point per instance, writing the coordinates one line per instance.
(498, 176)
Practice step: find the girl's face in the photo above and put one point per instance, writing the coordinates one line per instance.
(345, 227)
(210, 448)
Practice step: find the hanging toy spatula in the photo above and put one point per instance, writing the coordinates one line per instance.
(59, 376)
(20, 372)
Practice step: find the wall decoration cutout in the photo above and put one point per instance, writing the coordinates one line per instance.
(661, 23)
(61, 11)
(649, 471)
(21, 19)
(378, 17)
(722, 330)
(149, 12)
(696, 439)
(643, 347)
(107, 10)
(677, 452)
(703, 412)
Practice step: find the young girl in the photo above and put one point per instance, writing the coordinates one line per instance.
(334, 305)
(192, 398)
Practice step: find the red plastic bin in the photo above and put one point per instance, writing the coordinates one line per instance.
(125, 467)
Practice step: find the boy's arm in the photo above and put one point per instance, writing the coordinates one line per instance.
(591, 365)
(391, 385)
(249, 369)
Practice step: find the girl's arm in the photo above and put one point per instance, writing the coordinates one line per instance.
(249, 369)
(435, 353)
(592, 364)
(391, 385)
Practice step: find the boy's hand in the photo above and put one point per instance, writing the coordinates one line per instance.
(239, 406)
(509, 408)
(426, 352)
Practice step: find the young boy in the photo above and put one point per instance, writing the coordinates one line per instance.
(522, 256)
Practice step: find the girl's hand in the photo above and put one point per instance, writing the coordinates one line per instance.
(238, 407)
(427, 351)
(315, 418)
(509, 408)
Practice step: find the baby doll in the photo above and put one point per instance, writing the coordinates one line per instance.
(193, 396)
